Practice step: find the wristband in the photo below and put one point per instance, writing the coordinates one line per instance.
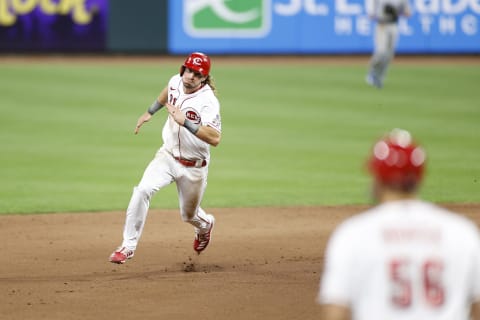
(190, 126)
(155, 107)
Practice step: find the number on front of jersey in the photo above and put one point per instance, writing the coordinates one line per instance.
(429, 274)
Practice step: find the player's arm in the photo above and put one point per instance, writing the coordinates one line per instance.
(335, 312)
(204, 133)
(475, 280)
(334, 293)
(159, 102)
(370, 8)
(475, 311)
(208, 134)
(405, 10)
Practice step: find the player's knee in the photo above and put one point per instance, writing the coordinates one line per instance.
(143, 192)
(188, 216)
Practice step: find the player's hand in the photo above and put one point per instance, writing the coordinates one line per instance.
(176, 114)
(143, 118)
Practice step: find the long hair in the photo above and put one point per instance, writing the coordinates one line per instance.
(211, 83)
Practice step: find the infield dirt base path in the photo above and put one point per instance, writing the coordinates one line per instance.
(263, 263)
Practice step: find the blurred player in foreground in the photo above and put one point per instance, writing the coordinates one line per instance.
(404, 258)
(192, 126)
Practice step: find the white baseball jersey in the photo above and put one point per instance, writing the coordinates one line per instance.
(200, 107)
(403, 260)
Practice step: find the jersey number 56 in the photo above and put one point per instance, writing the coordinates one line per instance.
(428, 279)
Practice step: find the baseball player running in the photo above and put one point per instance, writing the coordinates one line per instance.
(386, 14)
(404, 258)
(192, 126)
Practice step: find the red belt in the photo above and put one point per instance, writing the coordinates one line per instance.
(192, 163)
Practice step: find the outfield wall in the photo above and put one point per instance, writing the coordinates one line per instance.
(229, 27)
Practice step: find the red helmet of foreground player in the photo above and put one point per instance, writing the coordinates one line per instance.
(396, 161)
(198, 62)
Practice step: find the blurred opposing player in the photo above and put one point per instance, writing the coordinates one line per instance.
(404, 258)
(385, 13)
(193, 125)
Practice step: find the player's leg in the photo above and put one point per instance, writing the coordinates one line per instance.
(390, 44)
(156, 176)
(378, 59)
(191, 188)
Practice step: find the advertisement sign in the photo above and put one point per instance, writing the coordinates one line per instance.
(317, 26)
(53, 25)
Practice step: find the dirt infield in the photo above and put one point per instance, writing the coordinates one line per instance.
(263, 263)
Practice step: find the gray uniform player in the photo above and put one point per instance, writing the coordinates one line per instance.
(193, 125)
(386, 14)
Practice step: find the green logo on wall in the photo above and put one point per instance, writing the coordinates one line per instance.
(227, 18)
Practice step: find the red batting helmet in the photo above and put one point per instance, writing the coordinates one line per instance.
(198, 62)
(397, 161)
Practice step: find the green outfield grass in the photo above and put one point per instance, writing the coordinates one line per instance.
(292, 135)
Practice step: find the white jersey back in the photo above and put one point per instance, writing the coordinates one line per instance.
(200, 107)
(403, 260)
